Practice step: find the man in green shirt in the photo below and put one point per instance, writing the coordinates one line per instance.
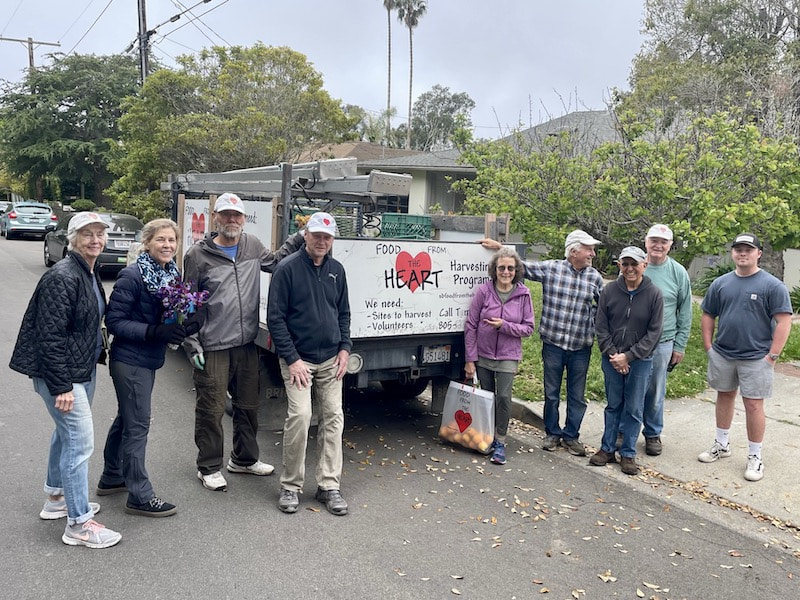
(673, 281)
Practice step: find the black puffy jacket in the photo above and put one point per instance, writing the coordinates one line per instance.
(57, 340)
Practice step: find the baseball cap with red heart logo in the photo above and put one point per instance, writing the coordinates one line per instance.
(321, 222)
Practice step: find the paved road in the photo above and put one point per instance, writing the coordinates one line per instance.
(428, 520)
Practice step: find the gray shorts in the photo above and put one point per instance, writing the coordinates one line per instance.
(752, 377)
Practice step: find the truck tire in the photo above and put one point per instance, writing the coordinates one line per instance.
(408, 389)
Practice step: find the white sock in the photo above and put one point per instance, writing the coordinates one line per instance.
(723, 436)
(754, 449)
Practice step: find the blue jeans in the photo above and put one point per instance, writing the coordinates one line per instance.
(624, 404)
(653, 416)
(576, 362)
(71, 445)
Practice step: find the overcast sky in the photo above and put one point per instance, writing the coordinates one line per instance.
(519, 60)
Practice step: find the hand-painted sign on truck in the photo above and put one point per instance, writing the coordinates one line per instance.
(400, 287)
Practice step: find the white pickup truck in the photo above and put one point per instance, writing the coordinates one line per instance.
(409, 298)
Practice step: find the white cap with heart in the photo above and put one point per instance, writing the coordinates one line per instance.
(322, 222)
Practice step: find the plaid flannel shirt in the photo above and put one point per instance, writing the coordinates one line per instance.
(569, 302)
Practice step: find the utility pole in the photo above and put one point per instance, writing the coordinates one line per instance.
(29, 42)
(144, 42)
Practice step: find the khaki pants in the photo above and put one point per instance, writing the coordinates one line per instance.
(328, 396)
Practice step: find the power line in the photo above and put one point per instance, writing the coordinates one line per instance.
(179, 5)
(78, 18)
(90, 27)
(11, 17)
(197, 17)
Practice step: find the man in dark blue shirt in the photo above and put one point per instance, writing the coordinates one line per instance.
(309, 321)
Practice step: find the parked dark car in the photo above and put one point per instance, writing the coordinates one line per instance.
(123, 229)
(27, 218)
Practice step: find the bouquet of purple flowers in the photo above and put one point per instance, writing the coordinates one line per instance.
(179, 300)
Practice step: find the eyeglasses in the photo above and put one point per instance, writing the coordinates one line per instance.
(506, 268)
(628, 265)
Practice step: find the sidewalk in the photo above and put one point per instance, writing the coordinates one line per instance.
(689, 429)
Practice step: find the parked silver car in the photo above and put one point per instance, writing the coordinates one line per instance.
(122, 231)
(27, 218)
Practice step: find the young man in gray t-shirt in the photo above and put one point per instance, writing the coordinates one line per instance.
(744, 304)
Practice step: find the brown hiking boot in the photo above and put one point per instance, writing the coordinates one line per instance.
(628, 465)
(601, 458)
(653, 446)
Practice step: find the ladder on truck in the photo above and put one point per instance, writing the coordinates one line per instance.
(332, 186)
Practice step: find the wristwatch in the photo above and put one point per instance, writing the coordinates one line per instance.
(774, 357)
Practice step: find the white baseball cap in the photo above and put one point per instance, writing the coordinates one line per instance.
(82, 219)
(660, 231)
(322, 222)
(580, 237)
(229, 201)
(633, 252)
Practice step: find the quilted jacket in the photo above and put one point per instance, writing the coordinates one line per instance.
(57, 341)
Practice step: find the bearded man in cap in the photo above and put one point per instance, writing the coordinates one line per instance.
(227, 264)
(309, 320)
(753, 314)
(570, 293)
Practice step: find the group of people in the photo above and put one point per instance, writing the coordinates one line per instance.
(63, 337)
(642, 322)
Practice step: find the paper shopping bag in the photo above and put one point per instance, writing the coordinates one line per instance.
(468, 417)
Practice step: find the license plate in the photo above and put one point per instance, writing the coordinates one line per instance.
(123, 244)
(435, 354)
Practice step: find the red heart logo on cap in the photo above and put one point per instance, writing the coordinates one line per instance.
(326, 221)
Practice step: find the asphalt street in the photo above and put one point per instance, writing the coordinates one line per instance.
(427, 519)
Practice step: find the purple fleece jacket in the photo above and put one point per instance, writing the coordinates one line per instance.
(505, 343)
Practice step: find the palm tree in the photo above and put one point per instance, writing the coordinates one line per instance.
(389, 5)
(410, 12)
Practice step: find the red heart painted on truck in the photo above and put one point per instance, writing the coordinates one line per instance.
(413, 270)
(198, 226)
(463, 420)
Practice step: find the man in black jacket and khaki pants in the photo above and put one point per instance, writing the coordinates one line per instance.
(309, 321)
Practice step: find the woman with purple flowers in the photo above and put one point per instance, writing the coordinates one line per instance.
(142, 324)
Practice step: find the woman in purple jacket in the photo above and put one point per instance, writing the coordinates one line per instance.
(500, 315)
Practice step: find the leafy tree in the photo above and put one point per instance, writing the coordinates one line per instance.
(225, 108)
(436, 115)
(719, 177)
(706, 56)
(57, 125)
(410, 12)
(367, 126)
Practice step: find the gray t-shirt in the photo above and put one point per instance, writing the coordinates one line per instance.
(745, 307)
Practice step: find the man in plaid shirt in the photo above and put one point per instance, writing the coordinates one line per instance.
(570, 291)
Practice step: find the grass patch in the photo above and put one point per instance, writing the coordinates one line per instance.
(688, 378)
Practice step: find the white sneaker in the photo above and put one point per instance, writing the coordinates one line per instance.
(755, 468)
(257, 468)
(90, 534)
(213, 481)
(58, 510)
(716, 452)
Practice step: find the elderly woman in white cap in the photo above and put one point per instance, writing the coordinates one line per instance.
(59, 345)
(628, 325)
